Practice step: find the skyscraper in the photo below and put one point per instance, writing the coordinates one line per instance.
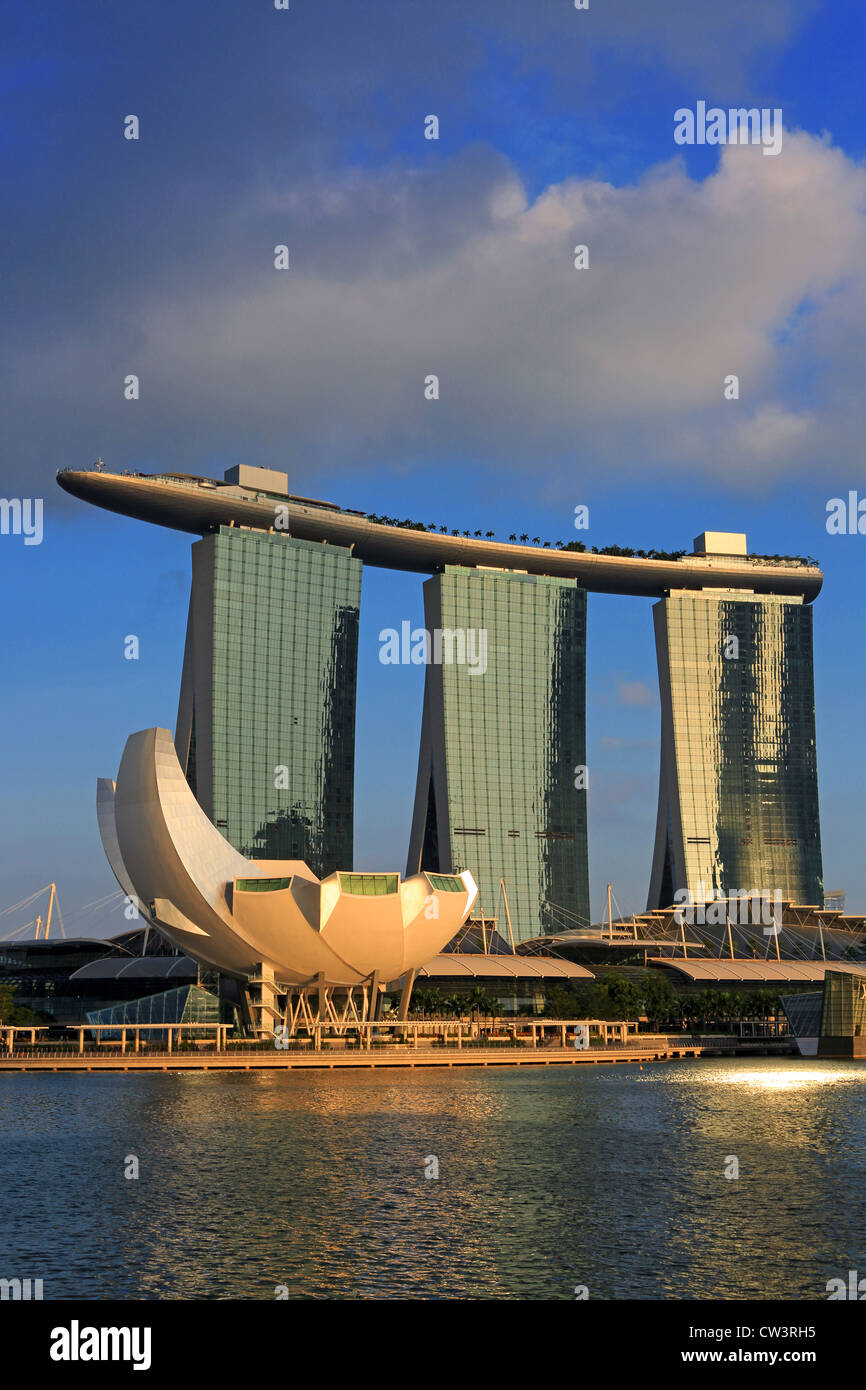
(266, 721)
(500, 788)
(738, 789)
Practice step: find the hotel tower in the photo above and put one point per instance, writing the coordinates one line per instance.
(738, 785)
(266, 723)
(500, 771)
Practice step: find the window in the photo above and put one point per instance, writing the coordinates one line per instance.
(369, 885)
(447, 883)
(261, 885)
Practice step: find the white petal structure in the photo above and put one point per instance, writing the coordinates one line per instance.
(234, 913)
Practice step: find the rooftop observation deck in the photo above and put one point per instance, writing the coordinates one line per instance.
(201, 505)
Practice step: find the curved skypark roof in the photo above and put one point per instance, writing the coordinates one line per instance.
(200, 505)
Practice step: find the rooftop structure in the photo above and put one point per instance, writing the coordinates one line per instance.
(755, 972)
(201, 505)
(721, 543)
(722, 943)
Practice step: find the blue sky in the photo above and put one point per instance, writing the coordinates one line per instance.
(410, 256)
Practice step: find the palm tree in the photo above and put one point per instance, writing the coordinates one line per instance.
(490, 535)
(512, 537)
(476, 533)
(444, 530)
(478, 1001)
(419, 999)
(427, 1001)
(536, 540)
(524, 538)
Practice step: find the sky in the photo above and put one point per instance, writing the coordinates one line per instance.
(409, 256)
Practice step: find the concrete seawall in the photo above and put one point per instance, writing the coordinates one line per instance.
(391, 1057)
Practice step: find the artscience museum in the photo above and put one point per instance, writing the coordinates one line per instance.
(269, 924)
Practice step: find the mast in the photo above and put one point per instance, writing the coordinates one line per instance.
(507, 914)
(50, 906)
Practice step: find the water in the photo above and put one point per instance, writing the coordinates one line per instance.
(609, 1177)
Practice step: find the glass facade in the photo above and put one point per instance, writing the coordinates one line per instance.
(370, 885)
(844, 1012)
(803, 1012)
(447, 883)
(261, 885)
(501, 746)
(188, 1004)
(266, 725)
(738, 796)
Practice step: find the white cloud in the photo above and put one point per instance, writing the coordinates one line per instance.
(636, 693)
(773, 433)
(759, 270)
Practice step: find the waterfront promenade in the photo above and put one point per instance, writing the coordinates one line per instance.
(395, 1055)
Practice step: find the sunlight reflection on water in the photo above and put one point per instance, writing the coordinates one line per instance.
(611, 1177)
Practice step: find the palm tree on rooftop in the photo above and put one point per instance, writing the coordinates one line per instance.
(489, 535)
(524, 538)
(536, 540)
(512, 537)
